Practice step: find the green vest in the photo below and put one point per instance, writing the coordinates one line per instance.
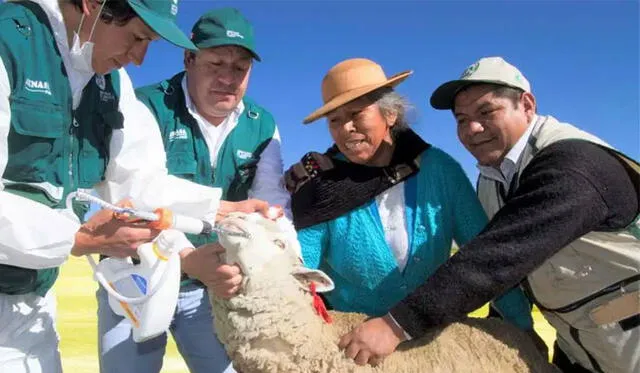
(187, 151)
(53, 149)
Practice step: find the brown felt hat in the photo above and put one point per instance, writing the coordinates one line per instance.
(349, 80)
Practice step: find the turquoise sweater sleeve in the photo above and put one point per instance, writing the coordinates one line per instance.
(515, 307)
(470, 219)
(313, 241)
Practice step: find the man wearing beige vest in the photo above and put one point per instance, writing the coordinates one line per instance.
(564, 225)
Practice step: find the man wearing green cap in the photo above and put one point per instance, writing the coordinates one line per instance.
(565, 226)
(216, 136)
(69, 120)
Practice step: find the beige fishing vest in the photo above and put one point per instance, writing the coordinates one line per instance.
(590, 286)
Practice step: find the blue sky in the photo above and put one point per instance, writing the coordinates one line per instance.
(581, 57)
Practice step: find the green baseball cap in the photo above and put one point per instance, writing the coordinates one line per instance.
(160, 15)
(224, 26)
(492, 70)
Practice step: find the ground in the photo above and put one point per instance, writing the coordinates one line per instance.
(77, 322)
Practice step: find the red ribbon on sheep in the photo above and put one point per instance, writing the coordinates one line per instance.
(318, 304)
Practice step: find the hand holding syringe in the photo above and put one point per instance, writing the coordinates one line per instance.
(160, 219)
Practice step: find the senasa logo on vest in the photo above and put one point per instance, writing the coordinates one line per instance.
(37, 86)
(101, 82)
(105, 96)
(242, 154)
(179, 134)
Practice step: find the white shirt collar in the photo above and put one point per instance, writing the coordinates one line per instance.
(214, 136)
(510, 161)
(77, 80)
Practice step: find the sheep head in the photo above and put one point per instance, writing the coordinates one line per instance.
(266, 247)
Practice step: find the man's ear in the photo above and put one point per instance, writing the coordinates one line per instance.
(305, 276)
(88, 6)
(189, 56)
(529, 103)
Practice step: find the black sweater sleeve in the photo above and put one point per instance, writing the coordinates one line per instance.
(568, 189)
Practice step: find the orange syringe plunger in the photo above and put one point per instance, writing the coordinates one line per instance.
(165, 219)
(161, 218)
(169, 220)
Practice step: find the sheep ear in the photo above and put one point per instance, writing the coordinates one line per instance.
(305, 276)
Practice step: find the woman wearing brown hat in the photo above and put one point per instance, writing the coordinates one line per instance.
(378, 211)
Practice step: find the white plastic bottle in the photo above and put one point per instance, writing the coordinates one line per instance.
(145, 293)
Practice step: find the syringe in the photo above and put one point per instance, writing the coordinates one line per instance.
(161, 218)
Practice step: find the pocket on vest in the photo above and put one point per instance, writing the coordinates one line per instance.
(242, 179)
(182, 165)
(36, 127)
(94, 152)
(37, 119)
(247, 169)
(585, 269)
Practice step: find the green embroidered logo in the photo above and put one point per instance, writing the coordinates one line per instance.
(470, 70)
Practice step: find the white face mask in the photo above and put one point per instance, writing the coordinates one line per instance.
(81, 55)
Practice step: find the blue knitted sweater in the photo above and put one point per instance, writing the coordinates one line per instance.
(440, 206)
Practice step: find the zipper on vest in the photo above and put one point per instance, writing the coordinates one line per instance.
(72, 132)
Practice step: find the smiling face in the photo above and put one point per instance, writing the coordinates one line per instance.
(218, 78)
(490, 124)
(362, 133)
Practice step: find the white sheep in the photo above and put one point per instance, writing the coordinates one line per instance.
(271, 326)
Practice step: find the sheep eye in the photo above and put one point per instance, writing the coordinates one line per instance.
(280, 244)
